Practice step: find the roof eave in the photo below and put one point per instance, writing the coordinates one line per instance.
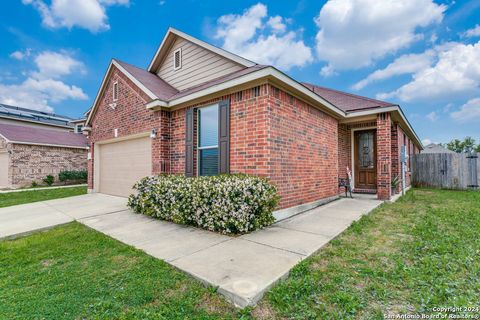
(392, 108)
(113, 62)
(268, 72)
(47, 144)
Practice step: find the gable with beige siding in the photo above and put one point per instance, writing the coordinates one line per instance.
(199, 65)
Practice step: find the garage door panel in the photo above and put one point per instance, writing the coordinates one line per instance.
(122, 164)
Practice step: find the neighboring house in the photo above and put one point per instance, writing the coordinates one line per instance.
(30, 153)
(33, 118)
(200, 110)
(78, 124)
(435, 148)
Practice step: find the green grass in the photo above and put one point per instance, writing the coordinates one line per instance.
(421, 252)
(73, 272)
(418, 253)
(14, 198)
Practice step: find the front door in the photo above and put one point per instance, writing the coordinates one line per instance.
(365, 159)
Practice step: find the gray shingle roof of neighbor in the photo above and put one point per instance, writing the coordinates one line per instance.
(346, 101)
(34, 135)
(8, 111)
(436, 148)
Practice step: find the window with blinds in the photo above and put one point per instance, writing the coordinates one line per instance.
(207, 147)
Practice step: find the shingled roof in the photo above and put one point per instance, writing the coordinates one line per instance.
(30, 115)
(151, 81)
(346, 101)
(34, 135)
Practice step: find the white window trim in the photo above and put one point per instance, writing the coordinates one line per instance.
(180, 60)
(115, 85)
(198, 139)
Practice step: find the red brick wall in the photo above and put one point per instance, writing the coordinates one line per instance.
(344, 150)
(384, 160)
(272, 135)
(129, 117)
(397, 135)
(303, 144)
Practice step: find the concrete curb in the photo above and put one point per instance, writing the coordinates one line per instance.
(292, 211)
(44, 188)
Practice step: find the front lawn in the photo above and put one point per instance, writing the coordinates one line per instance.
(418, 253)
(73, 272)
(22, 197)
(411, 256)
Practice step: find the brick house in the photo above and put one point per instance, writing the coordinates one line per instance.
(30, 153)
(200, 110)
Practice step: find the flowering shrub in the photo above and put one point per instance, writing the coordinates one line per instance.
(224, 203)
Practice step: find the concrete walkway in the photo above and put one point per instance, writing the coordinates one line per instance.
(23, 219)
(242, 268)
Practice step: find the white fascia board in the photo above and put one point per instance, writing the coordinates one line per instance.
(262, 73)
(98, 93)
(5, 138)
(47, 145)
(128, 75)
(150, 94)
(221, 52)
(393, 108)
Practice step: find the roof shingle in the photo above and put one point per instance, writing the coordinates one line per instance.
(151, 81)
(33, 135)
(346, 101)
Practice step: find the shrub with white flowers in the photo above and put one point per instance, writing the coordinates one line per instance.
(225, 203)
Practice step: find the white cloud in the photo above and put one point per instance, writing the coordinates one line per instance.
(432, 116)
(469, 112)
(54, 64)
(406, 64)
(42, 86)
(355, 33)
(88, 14)
(277, 25)
(454, 72)
(20, 55)
(327, 71)
(474, 32)
(426, 142)
(247, 36)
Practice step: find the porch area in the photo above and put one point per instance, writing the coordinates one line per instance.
(369, 155)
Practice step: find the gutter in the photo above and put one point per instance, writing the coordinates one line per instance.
(47, 145)
(262, 73)
(393, 108)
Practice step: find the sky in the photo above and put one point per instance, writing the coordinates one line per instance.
(421, 54)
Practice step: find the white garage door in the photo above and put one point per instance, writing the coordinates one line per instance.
(3, 168)
(123, 163)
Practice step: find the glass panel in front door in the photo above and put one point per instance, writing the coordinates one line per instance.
(365, 150)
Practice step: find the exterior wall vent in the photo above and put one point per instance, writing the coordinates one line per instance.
(177, 59)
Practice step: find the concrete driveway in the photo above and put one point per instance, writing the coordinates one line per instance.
(242, 268)
(26, 218)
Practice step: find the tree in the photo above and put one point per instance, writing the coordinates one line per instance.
(455, 145)
(468, 144)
